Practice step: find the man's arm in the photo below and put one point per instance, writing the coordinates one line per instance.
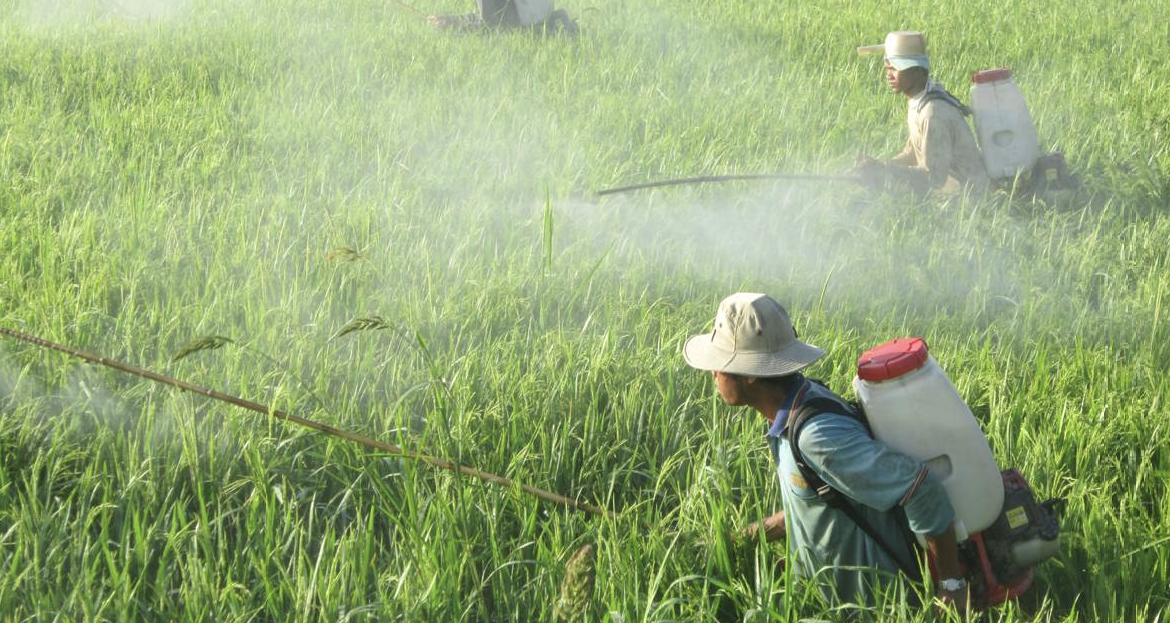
(877, 173)
(874, 474)
(922, 504)
(944, 548)
(937, 131)
(905, 157)
(938, 157)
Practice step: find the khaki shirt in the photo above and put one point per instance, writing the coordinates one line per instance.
(940, 153)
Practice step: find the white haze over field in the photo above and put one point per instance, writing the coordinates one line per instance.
(8, 382)
(475, 153)
(83, 392)
(485, 153)
(49, 14)
(741, 233)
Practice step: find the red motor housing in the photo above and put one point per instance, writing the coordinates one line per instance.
(998, 561)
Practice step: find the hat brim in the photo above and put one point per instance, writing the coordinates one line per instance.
(902, 63)
(700, 352)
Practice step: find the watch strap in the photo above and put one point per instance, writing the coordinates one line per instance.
(952, 584)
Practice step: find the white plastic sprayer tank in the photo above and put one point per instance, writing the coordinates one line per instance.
(532, 12)
(913, 407)
(1007, 136)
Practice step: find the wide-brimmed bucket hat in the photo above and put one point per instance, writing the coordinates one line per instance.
(752, 336)
(903, 49)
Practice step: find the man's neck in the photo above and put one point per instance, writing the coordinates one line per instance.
(770, 405)
(771, 398)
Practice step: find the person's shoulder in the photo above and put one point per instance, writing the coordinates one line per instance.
(832, 433)
(832, 421)
(942, 107)
(819, 390)
(834, 413)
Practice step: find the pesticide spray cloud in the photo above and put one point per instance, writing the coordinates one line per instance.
(454, 164)
(84, 396)
(54, 14)
(432, 155)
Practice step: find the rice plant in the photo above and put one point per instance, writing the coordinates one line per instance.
(176, 169)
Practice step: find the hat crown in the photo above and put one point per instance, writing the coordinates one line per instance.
(753, 336)
(905, 44)
(752, 323)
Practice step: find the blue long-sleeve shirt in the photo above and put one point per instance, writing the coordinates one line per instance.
(824, 542)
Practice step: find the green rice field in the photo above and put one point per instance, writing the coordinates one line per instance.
(270, 171)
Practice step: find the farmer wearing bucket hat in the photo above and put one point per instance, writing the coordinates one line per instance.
(852, 545)
(940, 154)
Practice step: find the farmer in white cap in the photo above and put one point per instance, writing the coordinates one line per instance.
(940, 154)
(755, 357)
(507, 14)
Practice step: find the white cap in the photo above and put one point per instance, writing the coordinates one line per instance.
(903, 49)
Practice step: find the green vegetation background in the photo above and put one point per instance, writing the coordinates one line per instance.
(269, 170)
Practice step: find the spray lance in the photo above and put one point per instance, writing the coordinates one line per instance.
(576, 588)
(324, 428)
(706, 179)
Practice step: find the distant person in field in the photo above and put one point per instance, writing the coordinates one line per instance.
(536, 15)
(940, 154)
(816, 440)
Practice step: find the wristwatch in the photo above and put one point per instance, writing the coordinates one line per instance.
(951, 585)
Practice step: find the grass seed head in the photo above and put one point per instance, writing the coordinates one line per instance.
(372, 323)
(577, 587)
(207, 342)
(344, 254)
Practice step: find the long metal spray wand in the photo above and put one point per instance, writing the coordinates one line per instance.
(703, 179)
(324, 428)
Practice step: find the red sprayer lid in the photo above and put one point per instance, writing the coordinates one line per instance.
(892, 359)
(991, 75)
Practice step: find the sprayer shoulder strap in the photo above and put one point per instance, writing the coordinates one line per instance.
(833, 498)
(800, 416)
(939, 93)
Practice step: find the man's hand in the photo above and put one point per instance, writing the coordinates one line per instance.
(742, 542)
(452, 22)
(773, 528)
(873, 172)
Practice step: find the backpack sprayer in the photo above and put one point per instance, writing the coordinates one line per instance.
(1007, 137)
(530, 14)
(912, 406)
(504, 12)
(515, 12)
